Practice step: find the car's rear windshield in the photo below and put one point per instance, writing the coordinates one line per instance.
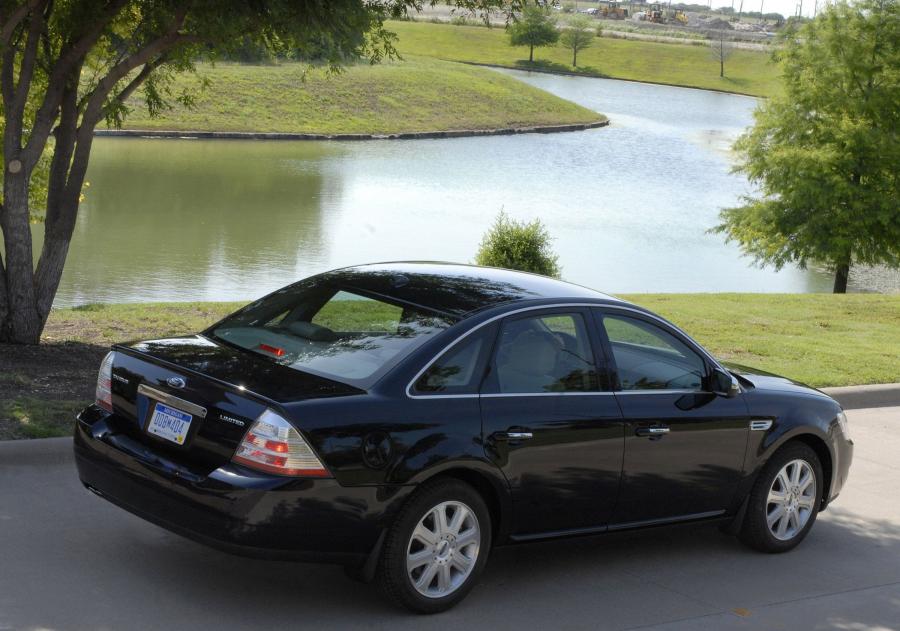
(336, 332)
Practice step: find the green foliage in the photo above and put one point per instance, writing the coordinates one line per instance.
(826, 155)
(577, 35)
(518, 245)
(534, 28)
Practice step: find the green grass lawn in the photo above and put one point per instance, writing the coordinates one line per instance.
(747, 71)
(820, 339)
(416, 94)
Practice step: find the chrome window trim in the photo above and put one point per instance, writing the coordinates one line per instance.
(168, 399)
(592, 305)
(661, 391)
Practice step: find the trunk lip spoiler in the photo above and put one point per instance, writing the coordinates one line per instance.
(177, 402)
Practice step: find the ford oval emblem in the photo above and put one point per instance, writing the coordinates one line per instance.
(176, 382)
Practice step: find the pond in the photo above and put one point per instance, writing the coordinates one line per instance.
(628, 205)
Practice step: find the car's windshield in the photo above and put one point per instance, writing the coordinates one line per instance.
(336, 332)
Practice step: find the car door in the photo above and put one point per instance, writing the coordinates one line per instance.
(551, 423)
(684, 446)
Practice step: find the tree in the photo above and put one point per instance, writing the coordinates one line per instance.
(518, 245)
(66, 65)
(721, 49)
(825, 155)
(578, 35)
(535, 27)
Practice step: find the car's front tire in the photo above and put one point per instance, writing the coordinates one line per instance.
(785, 500)
(436, 548)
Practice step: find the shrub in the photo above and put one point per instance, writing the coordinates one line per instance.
(518, 245)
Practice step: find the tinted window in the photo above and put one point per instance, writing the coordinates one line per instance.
(550, 353)
(649, 358)
(459, 370)
(329, 331)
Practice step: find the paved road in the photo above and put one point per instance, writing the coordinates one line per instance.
(69, 560)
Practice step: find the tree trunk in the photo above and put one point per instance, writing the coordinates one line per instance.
(721, 68)
(574, 58)
(22, 324)
(841, 275)
(531, 54)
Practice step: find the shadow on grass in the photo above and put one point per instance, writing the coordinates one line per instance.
(41, 387)
(542, 65)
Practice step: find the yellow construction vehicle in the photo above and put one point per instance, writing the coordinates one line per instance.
(655, 14)
(614, 11)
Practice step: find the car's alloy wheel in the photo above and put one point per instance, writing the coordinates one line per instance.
(791, 500)
(785, 499)
(436, 547)
(443, 549)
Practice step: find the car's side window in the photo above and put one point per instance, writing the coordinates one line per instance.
(460, 369)
(544, 353)
(650, 358)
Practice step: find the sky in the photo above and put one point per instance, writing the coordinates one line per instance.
(784, 7)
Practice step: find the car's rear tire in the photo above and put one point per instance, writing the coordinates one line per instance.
(437, 547)
(785, 500)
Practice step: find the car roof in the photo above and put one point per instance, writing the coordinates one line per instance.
(455, 288)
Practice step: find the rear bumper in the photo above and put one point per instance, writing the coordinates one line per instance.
(233, 508)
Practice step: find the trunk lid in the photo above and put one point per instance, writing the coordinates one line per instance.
(218, 389)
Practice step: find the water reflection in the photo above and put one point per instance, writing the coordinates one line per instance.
(629, 205)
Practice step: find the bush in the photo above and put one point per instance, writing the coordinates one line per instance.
(518, 245)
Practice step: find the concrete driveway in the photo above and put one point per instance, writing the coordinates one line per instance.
(69, 560)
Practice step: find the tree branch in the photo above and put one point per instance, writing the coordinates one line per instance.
(71, 55)
(15, 18)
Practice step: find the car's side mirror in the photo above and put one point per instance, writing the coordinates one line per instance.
(724, 384)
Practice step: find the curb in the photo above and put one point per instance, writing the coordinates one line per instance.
(883, 395)
(412, 135)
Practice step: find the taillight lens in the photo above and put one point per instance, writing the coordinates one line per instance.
(274, 446)
(104, 383)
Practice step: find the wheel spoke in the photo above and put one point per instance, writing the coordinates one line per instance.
(443, 578)
(783, 480)
(469, 536)
(427, 576)
(457, 521)
(806, 481)
(795, 473)
(794, 519)
(424, 535)
(807, 501)
(440, 523)
(461, 562)
(777, 497)
(782, 525)
(775, 515)
(418, 559)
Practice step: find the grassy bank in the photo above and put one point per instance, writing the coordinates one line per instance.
(417, 94)
(820, 339)
(747, 71)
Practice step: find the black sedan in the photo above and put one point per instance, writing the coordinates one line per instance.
(401, 419)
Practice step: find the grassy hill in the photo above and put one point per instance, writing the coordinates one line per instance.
(747, 71)
(417, 94)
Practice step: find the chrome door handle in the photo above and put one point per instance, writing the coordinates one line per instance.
(655, 431)
(512, 435)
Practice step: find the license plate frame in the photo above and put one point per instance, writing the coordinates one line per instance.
(169, 423)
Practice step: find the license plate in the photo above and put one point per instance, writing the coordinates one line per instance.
(169, 423)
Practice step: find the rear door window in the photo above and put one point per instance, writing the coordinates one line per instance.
(461, 369)
(542, 354)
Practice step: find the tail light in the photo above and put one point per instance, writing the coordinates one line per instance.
(104, 383)
(274, 446)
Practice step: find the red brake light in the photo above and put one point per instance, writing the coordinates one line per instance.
(274, 446)
(104, 383)
(277, 352)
